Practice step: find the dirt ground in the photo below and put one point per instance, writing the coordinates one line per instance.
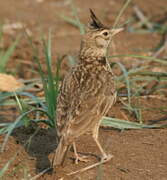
(138, 154)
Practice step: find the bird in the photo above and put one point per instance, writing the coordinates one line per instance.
(86, 93)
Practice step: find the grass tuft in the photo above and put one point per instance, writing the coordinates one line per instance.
(6, 54)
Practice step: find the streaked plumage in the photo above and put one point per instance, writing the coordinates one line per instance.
(87, 92)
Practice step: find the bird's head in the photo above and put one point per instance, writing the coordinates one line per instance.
(97, 38)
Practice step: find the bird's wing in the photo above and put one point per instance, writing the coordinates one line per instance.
(86, 106)
(63, 103)
(87, 114)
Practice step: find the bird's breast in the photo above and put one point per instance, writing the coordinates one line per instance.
(94, 80)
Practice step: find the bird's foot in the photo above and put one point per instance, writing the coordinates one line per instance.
(106, 157)
(81, 158)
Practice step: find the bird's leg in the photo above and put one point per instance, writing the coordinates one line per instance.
(77, 157)
(95, 137)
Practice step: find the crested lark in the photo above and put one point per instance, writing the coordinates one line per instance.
(87, 92)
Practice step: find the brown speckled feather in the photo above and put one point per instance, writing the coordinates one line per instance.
(86, 94)
(94, 88)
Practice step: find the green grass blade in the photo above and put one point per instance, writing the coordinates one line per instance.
(69, 20)
(6, 166)
(149, 58)
(80, 25)
(123, 124)
(18, 123)
(149, 73)
(74, 21)
(31, 99)
(6, 56)
(34, 99)
(121, 12)
(3, 130)
(59, 60)
(10, 130)
(15, 154)
(22, 108)
(50, 88)
(125, 73)
(1, 33)
(131, 72)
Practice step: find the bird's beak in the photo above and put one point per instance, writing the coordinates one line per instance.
(116, 31)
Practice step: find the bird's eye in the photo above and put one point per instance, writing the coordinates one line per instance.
(105, 33)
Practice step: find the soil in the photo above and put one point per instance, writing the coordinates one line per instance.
(138, 154)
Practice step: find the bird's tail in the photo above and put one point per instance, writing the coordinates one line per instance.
(61, 152)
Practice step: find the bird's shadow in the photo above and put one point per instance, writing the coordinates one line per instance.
(38, 143)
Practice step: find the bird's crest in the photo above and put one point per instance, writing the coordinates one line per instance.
(95, 22)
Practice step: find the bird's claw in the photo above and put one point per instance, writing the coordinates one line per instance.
(81, 158)
(106, 157)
